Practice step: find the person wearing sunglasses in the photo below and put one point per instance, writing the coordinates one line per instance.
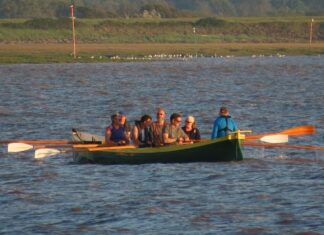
(190, 129)
(173, 133)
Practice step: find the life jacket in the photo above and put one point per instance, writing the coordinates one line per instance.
(143, 134)
(226, 128)
(193, 134)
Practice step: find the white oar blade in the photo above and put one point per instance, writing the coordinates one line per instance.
(275, 139)
(18, 147)
(42, 153)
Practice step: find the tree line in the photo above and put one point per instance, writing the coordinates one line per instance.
(158, 8)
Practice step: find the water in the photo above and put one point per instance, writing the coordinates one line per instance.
(273, 191)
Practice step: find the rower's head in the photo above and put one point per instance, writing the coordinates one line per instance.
(122, 118)
(190, 122)
(175, 119)
(223, 111)
(160, 114)
(146, 120)
(115, 119)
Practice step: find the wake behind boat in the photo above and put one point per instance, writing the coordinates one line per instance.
(221, 149)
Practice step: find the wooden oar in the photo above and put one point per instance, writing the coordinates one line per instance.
(294, 131)
(37, 141)
(307, 147)
(24, 145)
(270, 138)
(47, 152)
(275, 139)
(58, 142)
(20, 147)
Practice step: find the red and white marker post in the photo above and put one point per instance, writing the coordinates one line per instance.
(73, 30)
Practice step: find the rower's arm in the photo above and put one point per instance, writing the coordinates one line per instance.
(215, 130)
(135, 136)
(168, 140)
(107, 136)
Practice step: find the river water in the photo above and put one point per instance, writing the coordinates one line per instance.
(273, 191)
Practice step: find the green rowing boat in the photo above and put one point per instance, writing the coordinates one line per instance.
(222, 149)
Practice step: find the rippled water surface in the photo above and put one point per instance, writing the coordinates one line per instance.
(273, 191)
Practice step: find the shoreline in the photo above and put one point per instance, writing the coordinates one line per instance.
(41, 53)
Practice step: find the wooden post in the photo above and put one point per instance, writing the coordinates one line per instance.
(195, 37)
(311, 32)
(73, 30)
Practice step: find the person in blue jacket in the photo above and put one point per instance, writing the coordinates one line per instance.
(224, 124)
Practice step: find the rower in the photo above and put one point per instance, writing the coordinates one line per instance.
(141, 132)
(172, 133)
(224, 124)
(115, 132)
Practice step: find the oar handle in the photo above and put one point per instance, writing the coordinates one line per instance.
(242, 131)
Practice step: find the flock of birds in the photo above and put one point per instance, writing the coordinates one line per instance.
(173, 56)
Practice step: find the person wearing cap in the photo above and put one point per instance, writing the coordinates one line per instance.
(190, 128)
(224, 124)
(173, 133)
(115, 132)
(156, 128)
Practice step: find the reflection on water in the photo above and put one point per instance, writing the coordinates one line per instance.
(275, 191)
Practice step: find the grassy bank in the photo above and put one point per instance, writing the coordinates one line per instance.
(59, 53)
(48, 40)
(188, 30)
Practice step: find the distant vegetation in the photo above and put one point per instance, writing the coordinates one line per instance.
(182, 30)
(159, 8)
(39, 31)
(210, 22)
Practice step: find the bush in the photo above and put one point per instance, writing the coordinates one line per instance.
(320, 31)
(163, 11)
(46, 23)
(210, 22)
(110, 23)
(43, 23)
(85, 12)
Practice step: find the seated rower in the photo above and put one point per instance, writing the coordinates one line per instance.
(190, 129)
(224, 124)
(141, 132)
(173, 133)
(156, 128)
(123, 122)
(115, 132)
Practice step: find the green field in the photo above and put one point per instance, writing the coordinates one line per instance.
(49, 40)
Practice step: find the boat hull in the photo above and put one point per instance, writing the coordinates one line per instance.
(218, 150)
